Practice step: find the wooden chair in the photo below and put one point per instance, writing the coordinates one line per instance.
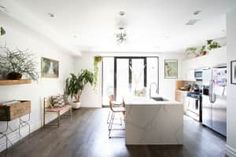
(115, 108)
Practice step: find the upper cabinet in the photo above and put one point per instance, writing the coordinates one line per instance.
(214, 57)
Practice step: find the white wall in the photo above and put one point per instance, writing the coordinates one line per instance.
(19, 36)
(231, 90)
(93, 98)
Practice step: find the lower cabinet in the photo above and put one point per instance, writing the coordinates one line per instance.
(181, 96)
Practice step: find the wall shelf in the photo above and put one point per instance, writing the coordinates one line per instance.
(14, 82)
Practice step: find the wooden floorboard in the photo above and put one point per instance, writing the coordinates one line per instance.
(86, 135)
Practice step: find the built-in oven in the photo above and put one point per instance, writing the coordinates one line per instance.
(193, 108)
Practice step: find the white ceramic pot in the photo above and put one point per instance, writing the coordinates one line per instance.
(75, 105)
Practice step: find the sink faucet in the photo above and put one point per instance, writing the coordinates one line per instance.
(150, 88)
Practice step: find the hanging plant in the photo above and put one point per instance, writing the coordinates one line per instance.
(97, 60)
(2, 31)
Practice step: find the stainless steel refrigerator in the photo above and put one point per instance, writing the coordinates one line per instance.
(214, 98)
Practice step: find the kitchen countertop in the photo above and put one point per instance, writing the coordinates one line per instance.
(149, 101)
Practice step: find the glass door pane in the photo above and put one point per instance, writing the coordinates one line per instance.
(122, 78)
(137, 72)
(108, 79)
(152, 75)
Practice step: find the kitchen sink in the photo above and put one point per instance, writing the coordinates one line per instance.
(159, 99)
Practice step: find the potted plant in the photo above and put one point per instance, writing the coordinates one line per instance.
(15, 63)
(191, 52)
(203, 50)
(75, 85)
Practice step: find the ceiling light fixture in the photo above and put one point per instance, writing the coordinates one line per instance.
(51, 15)
(192, 22)
(121, 35)
(197, 12)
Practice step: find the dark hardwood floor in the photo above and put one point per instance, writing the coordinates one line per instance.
(86, 135)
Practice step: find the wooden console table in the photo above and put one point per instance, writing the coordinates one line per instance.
(14, 111)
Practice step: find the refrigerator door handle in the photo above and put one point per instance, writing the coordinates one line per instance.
(210, 92)
(213, 98)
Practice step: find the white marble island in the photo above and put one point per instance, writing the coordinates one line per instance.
(150, 122)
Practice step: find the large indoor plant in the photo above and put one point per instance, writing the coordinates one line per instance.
(15, 63)
(75, 85)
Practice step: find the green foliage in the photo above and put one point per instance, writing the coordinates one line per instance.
(75, 84)
(2, 31)
(17, 61)
(97, 60)
(212, 44)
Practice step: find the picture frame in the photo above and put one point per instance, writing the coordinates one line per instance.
(171, 68)
(49, 68)
(233, 72)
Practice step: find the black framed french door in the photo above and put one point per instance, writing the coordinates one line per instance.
(124, 76)
(130, 75)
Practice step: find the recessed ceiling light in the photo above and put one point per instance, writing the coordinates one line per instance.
(197, 12)
(192, 22)
(122, 13)
(51, 15)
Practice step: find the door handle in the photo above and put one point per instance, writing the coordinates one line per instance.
(211, 92)
(213, 98)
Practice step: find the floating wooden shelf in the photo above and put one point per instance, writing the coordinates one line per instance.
(14, 82)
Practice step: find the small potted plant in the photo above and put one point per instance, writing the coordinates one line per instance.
(191, 52)
(75, 85)
(15, 63)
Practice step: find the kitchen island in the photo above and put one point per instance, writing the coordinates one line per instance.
(153, 122)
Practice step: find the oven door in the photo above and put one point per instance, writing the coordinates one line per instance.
(193, 108)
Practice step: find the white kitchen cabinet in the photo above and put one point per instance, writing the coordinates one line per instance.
(181, 96)
(190, 75)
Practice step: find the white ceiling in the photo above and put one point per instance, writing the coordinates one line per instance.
(151, 25)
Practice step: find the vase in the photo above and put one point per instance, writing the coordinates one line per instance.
(14, 76)
(75, 105)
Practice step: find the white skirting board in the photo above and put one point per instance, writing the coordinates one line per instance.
(231, 152)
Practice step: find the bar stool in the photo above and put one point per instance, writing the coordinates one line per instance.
(115, 108)
(114, 104)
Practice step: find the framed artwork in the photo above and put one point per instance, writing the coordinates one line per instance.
(171, 68)
(233, 72)
(49, 68)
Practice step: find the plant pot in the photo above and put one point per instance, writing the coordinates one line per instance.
(75, 105)
(14, 76)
